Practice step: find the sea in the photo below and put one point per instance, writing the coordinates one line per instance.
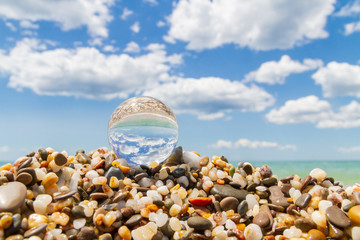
(345, 172)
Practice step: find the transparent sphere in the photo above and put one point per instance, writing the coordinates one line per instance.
(143, 130)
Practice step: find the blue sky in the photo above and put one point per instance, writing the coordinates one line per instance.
(276, 82)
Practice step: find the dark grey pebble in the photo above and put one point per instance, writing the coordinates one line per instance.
(25, 164)
(178, 172)
(269, 181)
(285, 188)
(228, 191)
(248, 168)
(243, 208)
(158, 236)
(168, 203)
(305, 224)
(337, 217)
(31, 172)
(86, 233)
(229, 203)
(43, 153)
(78, 211)
(287, 179)
(64, 195)
(60, 159)
(199, 223)
(108, 161)
(133, 220)
(303, 200)
(15, 226)
(252, 187)
(140, 176)
(24, 178)
(167, 231)
(114, 171)
(35, 230)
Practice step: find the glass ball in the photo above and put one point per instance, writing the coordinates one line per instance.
(143, 130)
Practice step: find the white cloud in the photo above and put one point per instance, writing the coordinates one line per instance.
(11, 26)
(349, 149)
(69, 14)
(246, 143)
(28, 24)
(4, 149)
(83, 71)
(110, 48)
(160, 24)
(339, 79)
(132, 47)
(126, 13)
(311, 109)
(135, 27)
(210, 97)
(277, 24)
(273, 72)
(351, 9)
(152, 2)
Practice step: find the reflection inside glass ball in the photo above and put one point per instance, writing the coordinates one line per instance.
(143, 130)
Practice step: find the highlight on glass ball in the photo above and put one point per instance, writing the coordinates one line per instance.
(143, 130)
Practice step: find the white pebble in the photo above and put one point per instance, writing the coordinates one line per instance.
(239, 179)
(192, 159)
(319, 218)
(163, 190)
(183, 180)
(251, 200)
(293, 232)
(355, 233)
(253, 232)
(174, 210)
(175, 224)
(217, 231)
(145, 232)
(318, 173)
(79, 223)
(323, 205)
(230, 224)
(161, 219)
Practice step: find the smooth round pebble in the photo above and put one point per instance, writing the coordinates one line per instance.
(10, 202)
(253, 232)
(199, 223)
(354, 215)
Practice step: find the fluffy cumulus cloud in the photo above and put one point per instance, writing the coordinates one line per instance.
(339, 79)
(312, 109)
(246, 143)
(277, 24)
(70, 14)
(351, 9)
(132, 47)
(83, 71)
(135, 27)
(210, 97)
(273, 72)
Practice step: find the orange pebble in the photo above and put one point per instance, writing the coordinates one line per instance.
(99, 164)
(240, 226)
(220, 182)
(124, 169)
(44, 164)
(200, 201)
(5, 167)
(152, 207)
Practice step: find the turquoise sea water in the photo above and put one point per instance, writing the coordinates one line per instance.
(346, 172)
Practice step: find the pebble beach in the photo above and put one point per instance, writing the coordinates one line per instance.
(57, 196)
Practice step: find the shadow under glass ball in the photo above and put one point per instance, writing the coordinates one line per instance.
(143, 130)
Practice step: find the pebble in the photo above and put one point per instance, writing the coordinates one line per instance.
(43, 153)
(114, 172)
(277, 197)
(303, 200)
(318, 174)
(229, 203)
(335, 232)
(204, 161)
(36, 230)
(146, 182)
(262, 220)
(242, 208)
(178, 172)
(10, 202)
(315, 234)
(354, 215)
(145, 232)
(228, 191)
(305, 224)
(86, 233)
(133, 220)
(337, 217)
(253, 232)
(199, 223)
(24, 177)
(60, 159)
